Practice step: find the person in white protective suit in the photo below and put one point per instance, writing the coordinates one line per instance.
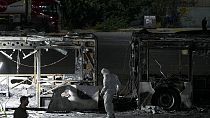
(111, 86)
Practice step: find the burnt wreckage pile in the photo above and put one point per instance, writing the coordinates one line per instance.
(37, 65)
(176, 64)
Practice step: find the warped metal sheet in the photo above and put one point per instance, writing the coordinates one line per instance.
(74, 97)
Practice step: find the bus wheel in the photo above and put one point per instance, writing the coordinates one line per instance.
(166, 98)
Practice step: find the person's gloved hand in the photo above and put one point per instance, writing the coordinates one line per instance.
(117, 95)
(101, 94)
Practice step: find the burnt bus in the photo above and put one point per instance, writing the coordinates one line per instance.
(37, 66)
(175, 64)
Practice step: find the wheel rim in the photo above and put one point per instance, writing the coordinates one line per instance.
(166, 101)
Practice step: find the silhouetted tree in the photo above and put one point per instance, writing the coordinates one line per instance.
(88, 13)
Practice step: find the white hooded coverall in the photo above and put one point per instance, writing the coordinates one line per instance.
(111, 85)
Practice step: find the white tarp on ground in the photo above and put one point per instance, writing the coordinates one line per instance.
(74, 97)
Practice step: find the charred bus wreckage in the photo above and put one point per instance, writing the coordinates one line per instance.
(60, 72)
(42, 67)
(171, 67)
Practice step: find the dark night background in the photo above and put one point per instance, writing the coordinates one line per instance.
(113, 14)
(109, 15)
(50, 63)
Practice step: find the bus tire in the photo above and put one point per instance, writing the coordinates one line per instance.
(166, 98)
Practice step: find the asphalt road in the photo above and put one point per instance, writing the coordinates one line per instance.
(127, 114)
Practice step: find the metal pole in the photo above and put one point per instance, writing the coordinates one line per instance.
(147, 58)
(82, 65)
(38, 75)
(191, 68)
(139, 72)
(96, 63)
(8, 86)
(27, 11)
(59, 16)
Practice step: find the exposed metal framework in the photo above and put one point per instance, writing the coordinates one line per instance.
(84, 46)
(191, 44)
